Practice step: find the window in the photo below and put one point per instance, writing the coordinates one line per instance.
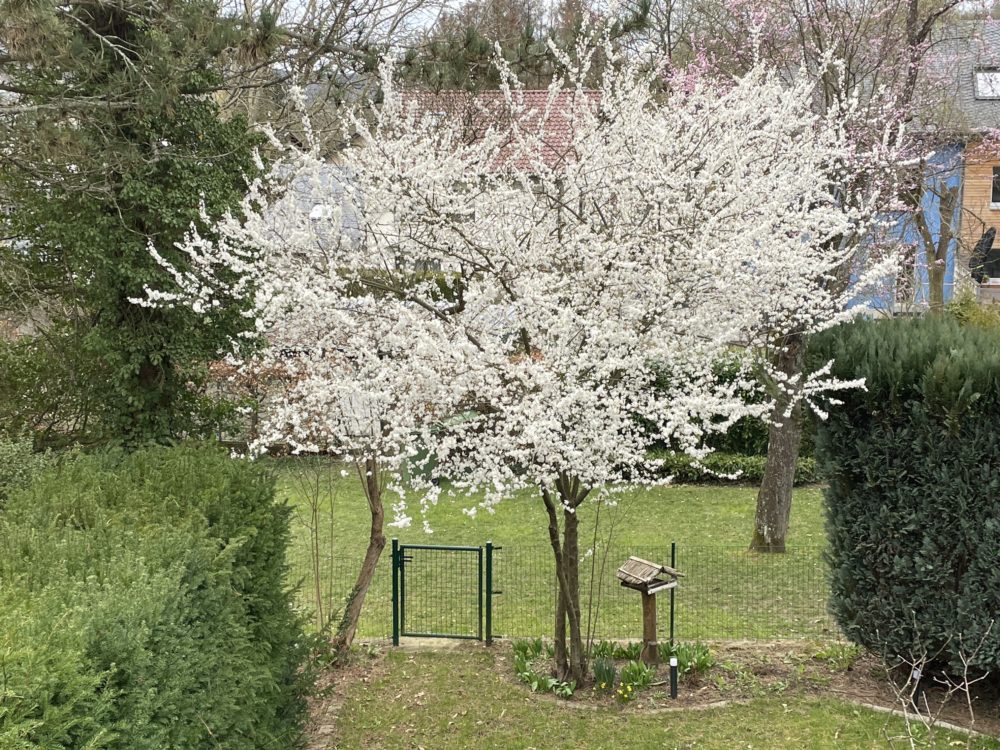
(995, 189)
(991, 264)
(987, 83)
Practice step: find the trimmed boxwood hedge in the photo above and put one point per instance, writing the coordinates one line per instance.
(748, 437)
(913, 503)
(143, 606)
(750, 469)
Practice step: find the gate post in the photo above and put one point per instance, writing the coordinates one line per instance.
(395, 591)
(489, 593)
(479, 555)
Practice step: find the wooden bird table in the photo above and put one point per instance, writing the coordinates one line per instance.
(648, 578)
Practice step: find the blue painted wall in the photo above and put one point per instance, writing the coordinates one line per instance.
(944, 169)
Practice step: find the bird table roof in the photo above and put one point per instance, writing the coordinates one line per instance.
(645, 575)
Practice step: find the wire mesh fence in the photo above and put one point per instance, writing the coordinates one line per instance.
(727, 593)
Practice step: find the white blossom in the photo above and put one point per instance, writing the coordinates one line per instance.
(517, 316)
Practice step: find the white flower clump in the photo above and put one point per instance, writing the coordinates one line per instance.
(582, 290)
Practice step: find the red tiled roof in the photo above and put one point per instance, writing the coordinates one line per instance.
(552, 120)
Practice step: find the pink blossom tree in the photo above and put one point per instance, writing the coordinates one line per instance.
(881, 52)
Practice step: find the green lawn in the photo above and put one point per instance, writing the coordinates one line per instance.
(704, 515)
(460, 700)
(727, 592)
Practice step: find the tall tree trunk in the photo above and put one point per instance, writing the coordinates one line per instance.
(774, 499)
(936, 250)
(371, 481)
(570, 654)
(574, 611)
(935, 280)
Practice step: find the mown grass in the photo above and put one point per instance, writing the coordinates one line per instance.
(728, 592)
(647, 517)
(459, 700)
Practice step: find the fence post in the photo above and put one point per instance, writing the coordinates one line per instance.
(489, 593)
(481, 579)
(395, 591)
(673, 564)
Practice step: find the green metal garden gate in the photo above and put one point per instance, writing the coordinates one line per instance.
(442, 591)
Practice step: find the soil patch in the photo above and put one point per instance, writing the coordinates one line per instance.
(362, 666)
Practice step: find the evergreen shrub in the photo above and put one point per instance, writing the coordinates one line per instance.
(748, 436)
(913, 503)
(143, 606)
(718, 467)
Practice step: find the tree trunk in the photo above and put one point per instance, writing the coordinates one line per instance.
(935, 281)
(371, 482)
(559, 633)
(570, 654)
(561, 654)
(571, 560)
(774, 499)
(936, 252)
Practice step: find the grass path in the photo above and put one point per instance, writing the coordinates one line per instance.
(458, 699)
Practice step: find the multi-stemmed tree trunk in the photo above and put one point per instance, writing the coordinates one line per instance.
(936, 249)
(774, 499)
(570, 654)
(373, 484)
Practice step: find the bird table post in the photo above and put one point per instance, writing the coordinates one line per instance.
(648, 578)
(650, 650)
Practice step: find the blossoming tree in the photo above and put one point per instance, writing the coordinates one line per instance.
(341, 359)
(536, 270)
(893, 68)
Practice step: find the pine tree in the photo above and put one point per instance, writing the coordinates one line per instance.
(459, 50)
(114, 141)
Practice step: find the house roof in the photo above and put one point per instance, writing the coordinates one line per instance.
(962, 49)
(317, 192)
(550, 117)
